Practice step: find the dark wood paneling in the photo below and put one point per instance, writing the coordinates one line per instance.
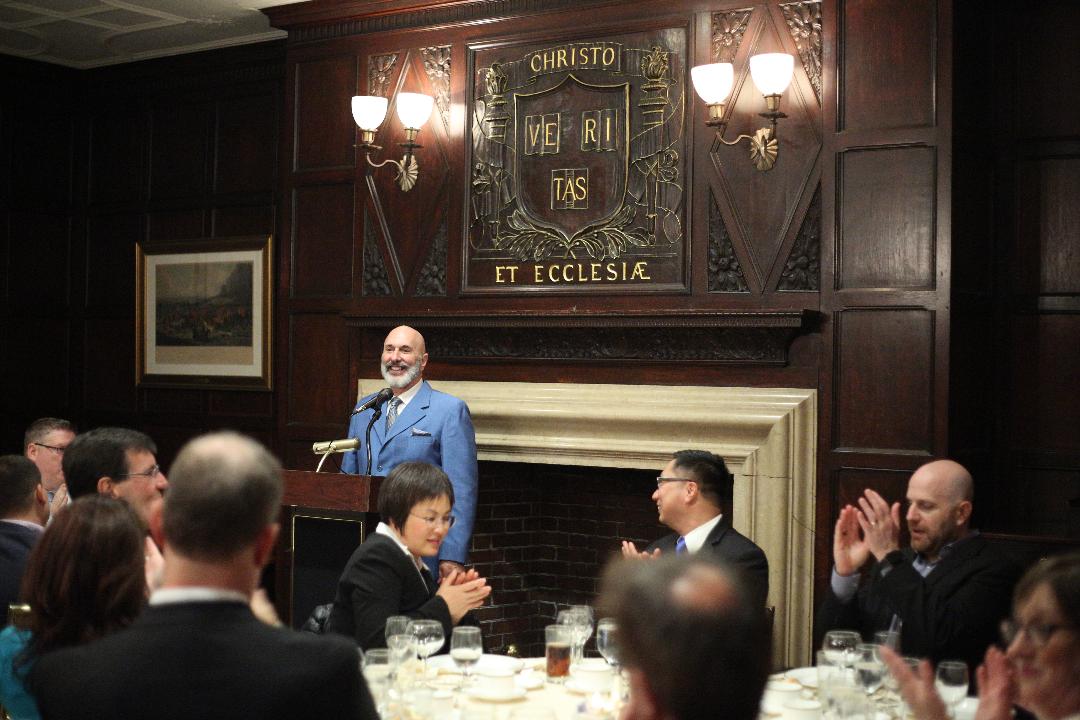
(165, 400)
(1048, 228)
(1046, 46)
(245, 143)
(41, 159)
(35, 365)
(1043, 410)
(108, 363)
(118, 149)
(237, 221)
(110, 261)
(318, 368)
(179, 152)
(177, 224)
(325, 131)
(885, 380)
(38, 256)
(888, 72)
(322, 241)
(887, 218)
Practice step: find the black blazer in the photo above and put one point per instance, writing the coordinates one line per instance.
(731, 547)
(952, 613)
(208, 660)
(16, 542)
(379, 581)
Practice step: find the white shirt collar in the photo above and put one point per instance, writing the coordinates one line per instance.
(407, 396)
(697, 537)
(170, 596)
(384, 529)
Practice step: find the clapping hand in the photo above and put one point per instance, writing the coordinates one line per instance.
(463, 590)
(629, 550)
(880, 524)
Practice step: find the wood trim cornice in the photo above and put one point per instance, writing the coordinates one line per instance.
(307, 22)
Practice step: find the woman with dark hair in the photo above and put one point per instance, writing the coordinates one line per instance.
(1040, 668)
(386, 576)
(84, 579)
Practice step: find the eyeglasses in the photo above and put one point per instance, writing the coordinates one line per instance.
(447, 522)
(54, 448)
(151, 473)
(661, 480)
(1038, 634)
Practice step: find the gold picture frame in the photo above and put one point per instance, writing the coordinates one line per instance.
(203, 313)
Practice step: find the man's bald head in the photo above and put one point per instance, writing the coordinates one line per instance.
(939, 498)
(684, 622)
(225, 489)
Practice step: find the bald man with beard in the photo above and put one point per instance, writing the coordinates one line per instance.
(949, 589)
(421, 424)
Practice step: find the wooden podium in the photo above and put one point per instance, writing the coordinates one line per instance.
(324, 516)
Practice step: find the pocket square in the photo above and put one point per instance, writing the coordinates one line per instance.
(418, 431)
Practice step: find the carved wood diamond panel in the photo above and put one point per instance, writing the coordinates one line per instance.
(761, 209)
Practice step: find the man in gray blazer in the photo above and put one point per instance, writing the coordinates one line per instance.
(693, 497)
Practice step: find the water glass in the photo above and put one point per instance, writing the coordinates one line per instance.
(429, 639)
(869, 670)
(396, 625)
(580, 619)
(840, 646)
(465, 649)
(376, 669)
(607, 640)
(951, 681)
(401, 650)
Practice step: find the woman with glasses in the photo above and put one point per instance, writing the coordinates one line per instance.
(1040, 668)
(84, 580)
(386, 575)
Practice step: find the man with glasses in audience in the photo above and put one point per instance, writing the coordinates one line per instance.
(947, 592)
(44, 444)
(198, 651)
(693, 497)
(121, 463)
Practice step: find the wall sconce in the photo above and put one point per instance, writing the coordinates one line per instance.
(772, 74)
(413, 110)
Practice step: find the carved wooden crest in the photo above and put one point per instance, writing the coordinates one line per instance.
(578, 166)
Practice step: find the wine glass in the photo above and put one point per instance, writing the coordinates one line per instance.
(375, 665)
(869, 670)
(396, 625)
(429, 638)
(580, 619)
(840, 647)
(401, 649)
(951, 682)
(465, 649)
(607, 641)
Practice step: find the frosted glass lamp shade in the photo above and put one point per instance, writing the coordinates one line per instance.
(414, 109)
(713, 82)
(772, 72)
(368, 111)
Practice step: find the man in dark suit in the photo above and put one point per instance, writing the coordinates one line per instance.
(948, 591)
(24, 510)
(692, 641)
(198, 651)
(692, 494)
(424, 425)
(44, 444)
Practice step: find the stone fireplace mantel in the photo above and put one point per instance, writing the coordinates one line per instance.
(767, 436)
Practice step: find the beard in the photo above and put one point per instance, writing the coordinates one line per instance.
(398, 382)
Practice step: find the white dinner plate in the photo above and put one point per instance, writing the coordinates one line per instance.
(445, 663)
(574, 687)
(492, 695)
(805, 676)
(529, 680)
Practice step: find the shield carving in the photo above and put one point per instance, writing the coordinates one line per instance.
(573, 149)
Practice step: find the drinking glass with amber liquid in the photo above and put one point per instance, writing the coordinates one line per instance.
(557, 644)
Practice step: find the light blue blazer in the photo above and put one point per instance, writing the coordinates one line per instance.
(435, 428)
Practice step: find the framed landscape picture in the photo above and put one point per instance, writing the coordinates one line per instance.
(203, 313)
